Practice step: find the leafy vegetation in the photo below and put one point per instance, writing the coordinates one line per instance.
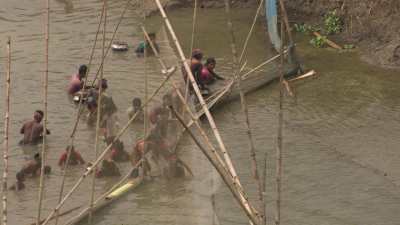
(318, 42)
(333, 23)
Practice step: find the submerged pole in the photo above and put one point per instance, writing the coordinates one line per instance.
(280, 136)
(6, 130)
(99, 114)
(45, 87)
(243, 101)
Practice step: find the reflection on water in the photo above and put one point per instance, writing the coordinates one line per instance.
(340, 157)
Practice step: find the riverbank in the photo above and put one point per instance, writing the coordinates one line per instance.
(368, 24)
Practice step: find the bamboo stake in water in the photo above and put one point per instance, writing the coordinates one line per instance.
(45, 87)
(244, 103)
(6, 129)
(279, 141)
(103, 154)
(99, 113)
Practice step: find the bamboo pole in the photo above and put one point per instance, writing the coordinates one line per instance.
(146, 81)
(279, 139)
(264, 222)
(244, 76)
(45, 88)
(99, 114)
(226, 176)
(198, 93)
(6, 130)
(79, 112)
(112, 39)
(329, 42)
(105, 151)
(193, 118)
(285, 19)
(243, 101)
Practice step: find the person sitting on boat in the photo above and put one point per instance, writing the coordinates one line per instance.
(108, 169)
(196, 67)
(118, 153)
(33, 167)
(136, 108)
(76, 83)
(208, 76)
(75, 157)
(19, 184)
(145, 46)
(33, 130)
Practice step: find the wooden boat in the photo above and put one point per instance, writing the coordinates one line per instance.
(221, 92)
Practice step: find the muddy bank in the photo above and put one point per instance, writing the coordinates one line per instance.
(371, 25)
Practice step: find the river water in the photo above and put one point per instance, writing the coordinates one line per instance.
(341, 159)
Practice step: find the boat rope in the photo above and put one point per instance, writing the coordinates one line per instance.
(243, 101)
(45, 89)
(6, 131)
(105, 151)
(79, 112)
(100, 116)
(127, 4)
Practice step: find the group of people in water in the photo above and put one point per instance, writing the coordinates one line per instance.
(158, 141)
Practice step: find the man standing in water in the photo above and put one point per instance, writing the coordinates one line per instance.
(33, 130)
(76, 83)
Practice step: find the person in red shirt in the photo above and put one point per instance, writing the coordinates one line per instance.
(208, 76)
(74, 159)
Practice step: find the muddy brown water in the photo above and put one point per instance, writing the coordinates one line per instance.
(341, 159)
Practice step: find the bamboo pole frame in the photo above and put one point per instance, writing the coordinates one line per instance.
(79, 111)
(103, 154)
(45, 90)
(99, 114)
(226, 176)
(6, 131)
(215, 130)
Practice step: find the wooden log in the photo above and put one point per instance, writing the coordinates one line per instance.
(6, 133)
(308, 74)
(329, 42)
(231, 183)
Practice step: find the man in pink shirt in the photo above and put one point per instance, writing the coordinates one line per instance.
(76, 83)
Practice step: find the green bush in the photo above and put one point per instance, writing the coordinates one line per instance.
(318, 42)
(333, 23)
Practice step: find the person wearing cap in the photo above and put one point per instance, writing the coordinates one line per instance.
(76, 82)
(33, 130)
(208, 76)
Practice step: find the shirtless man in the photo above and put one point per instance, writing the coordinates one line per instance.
(74, 159)
(33, 130)
(76, 83)
(32, 167)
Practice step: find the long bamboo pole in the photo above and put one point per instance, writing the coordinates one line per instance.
(226, 176)
(279, 139)
(146, 81)
(99, 115)
(264, 183)
(198, 93)
(105, 151)
(78, 115)
(45, 87)
(6, 129)
(112, 39)
(243, 101)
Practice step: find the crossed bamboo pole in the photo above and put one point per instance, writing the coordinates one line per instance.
(45, 90)
(236, 64)
(99, 115)
(228, 161)
(103, 154)
(6, 131)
